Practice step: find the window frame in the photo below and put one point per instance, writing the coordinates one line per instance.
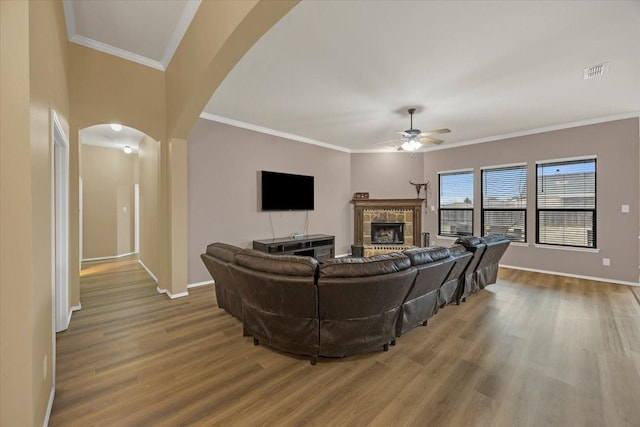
(441, 209)
(594, 238)
(483, 210)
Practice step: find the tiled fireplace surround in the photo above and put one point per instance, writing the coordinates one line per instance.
(376, 211)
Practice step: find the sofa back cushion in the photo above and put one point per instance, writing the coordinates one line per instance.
(222, 251)
(419, 256)
(364, 267)
(470, 242)
(285, 265)
(433, 264)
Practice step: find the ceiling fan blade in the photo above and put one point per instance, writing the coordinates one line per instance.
(393, 142)
(431, 140)
(403, 133)
(435, 132)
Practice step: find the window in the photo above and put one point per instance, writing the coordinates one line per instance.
(456, 203)
(504, 202)
(566, 203)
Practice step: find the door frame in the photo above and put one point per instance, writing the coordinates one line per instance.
(60, 225)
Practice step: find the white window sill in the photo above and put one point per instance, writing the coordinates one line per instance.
(567, 248)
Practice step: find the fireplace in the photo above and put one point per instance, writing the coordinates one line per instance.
(404, 216)
(387, 233)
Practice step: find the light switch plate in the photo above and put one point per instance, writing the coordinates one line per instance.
(625, 208)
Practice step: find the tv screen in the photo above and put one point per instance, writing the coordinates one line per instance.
(286, 192)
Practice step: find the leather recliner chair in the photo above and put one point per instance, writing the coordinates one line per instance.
(217, 259)
(469, 285)
(280, 300)
(487, 269)
(450, 289)
(360, 300)
(434, 264)
(483, 269)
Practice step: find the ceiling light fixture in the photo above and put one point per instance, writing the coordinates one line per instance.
(117, 127)
(127, 149)
(411, 145)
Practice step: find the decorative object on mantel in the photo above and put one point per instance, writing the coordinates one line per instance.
(361, 196)
(418, 186)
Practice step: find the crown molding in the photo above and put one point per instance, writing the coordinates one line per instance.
(116, 51)
(604, 119)
(237, 123)
(569, 125)
(181, 28)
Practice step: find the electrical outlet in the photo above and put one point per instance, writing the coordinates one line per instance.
(625, 209)
(606, 261)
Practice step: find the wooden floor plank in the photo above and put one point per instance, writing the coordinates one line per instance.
(531, 350)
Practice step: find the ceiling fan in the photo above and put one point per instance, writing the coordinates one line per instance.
(412, 139)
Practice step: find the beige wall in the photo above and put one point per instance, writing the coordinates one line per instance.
(223, 166)
(387, 175)
(108, 89)
(108, 176)
(17, 399)
(148, 167)
(34, 81)
(616, 146)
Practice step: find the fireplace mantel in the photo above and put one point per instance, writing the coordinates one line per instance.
(412, 207)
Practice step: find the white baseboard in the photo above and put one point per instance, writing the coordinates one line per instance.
(47, 415)
(173, 296)
(71, 310)
(102, 258)
(197, 284)
(577, 276)
(342, 255)
(153, 276)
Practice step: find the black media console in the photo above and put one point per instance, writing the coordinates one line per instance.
(319, 246)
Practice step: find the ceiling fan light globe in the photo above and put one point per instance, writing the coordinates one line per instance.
(411, 145)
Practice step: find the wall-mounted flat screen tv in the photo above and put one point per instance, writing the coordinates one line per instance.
(286, 192)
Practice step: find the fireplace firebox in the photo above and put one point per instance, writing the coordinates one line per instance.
(388, 233)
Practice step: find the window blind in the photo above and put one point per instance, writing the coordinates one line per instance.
(456, 203)
(504, 202)
(566, 203)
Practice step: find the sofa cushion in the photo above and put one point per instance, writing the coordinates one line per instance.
(419, 256)
(492, 238)
(457, 249)
(364, 267)
(469, 241)
(288, 265)
(222, 251)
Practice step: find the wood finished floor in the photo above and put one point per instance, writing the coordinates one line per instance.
(531, 350)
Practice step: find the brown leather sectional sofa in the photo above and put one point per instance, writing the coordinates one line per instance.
(346, 306)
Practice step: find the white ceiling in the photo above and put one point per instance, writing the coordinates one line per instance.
(343, 73)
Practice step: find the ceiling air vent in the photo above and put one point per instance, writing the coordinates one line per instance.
(595, 70)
